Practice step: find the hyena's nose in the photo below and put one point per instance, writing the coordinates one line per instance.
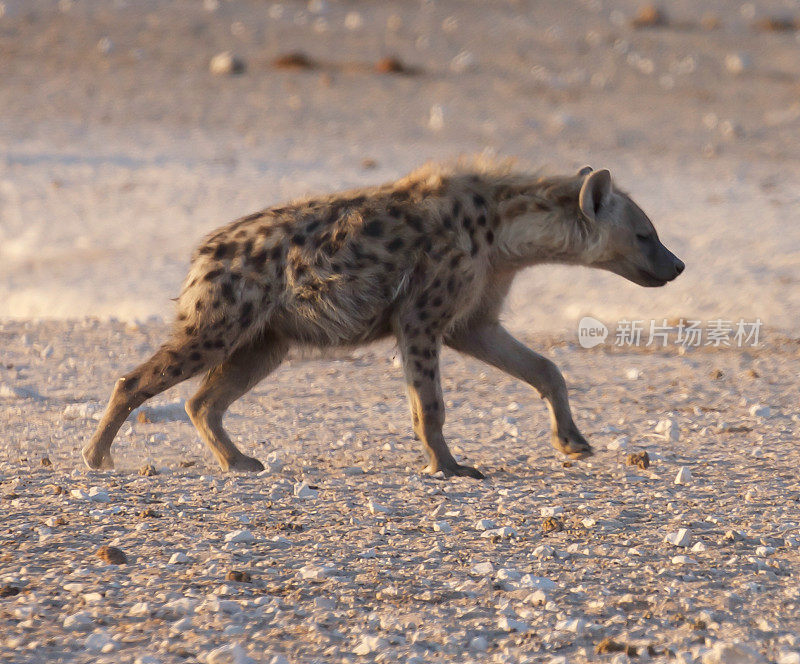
(679, 266)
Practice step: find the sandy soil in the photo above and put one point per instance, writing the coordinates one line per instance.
(120, 150)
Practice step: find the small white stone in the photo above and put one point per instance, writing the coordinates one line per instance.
(376, 508)
(482, 569)
(228, 654)
(302, 490)
(239, 536)
(737, 63)
(510, 625)
(316, 572)
(79, 621)
(683, 560)
(619, 443)
(699, 547)
(682, 537)
(485, 524)
(225, 63)
(507, 574)
(669, 429)
(551, 511)
(178, 558)
(577, 626)
(765, 551)
(369, 644)
(759, 410)
(789, 658)
(479, 644)
(504, 532)
(633, 374)
(732, 653)
(140, 610)
(442, 527)
(537, 582)
(684, 476)
(436, 118)
(98, 640)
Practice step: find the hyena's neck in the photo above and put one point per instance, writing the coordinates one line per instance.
(537, 221)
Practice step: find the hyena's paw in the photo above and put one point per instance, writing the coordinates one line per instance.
(245, 464)
(455, 470)
(97, 460)
(573, 444)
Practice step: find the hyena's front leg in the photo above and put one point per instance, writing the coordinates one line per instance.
(421, 366)
(494, 345)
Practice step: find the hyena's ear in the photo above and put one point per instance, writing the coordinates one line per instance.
(595, 193)
(585, 171)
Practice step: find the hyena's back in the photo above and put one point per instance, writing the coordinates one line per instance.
(325, 272)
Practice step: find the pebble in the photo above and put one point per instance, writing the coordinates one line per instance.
(112, 555)
(577, 626)
(669, 429)
(99, 641)
(551, 511)
(302, 490)
(683, 560)
(377, 508)
(732, 653)
(737, 63)
(239, 536)
(485, 524)
(81, 620)
(228, 654)
(369, 644)
(442, 527)
(684, 476)
(682, 537)
(226, 63)
(504, 532)
(316, 572)
(178, 558)
(620, 443)
(759, 410)
(479, 644)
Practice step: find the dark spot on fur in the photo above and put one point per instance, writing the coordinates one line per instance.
(422, 301)
(175, 371)
(194, 356)
(479, 200)
(207, 249)
(468, 223)
(198, 305)
(182, 317)
(447, 221)
(417, 383)
(223, 249)
(258, 259)
(276, 252)
(228, 293)
(298, 239)
(481, 220)
(451, 285)
(395, 244)
(415, 222)
(240, 234)
(456, 209)
(423, 315)
(310, 228)
(436, 302)
(246, 316)
(373, 228)
(336, 268)
(474, 250)
(213, 274)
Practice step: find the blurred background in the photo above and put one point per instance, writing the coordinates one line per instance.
(130, 128)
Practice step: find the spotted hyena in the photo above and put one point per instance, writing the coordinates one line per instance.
(428, 259)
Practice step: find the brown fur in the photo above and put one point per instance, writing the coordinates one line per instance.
(428, 259)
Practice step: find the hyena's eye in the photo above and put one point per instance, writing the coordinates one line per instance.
(642, 237)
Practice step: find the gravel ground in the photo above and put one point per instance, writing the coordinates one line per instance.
(119, 149)
(349, 554)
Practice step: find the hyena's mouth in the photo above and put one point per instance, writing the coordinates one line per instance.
(649, 280)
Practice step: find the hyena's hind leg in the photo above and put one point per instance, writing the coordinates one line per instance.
(223, 385)
(174, 362)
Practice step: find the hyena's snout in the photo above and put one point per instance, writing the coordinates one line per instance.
(667, 266)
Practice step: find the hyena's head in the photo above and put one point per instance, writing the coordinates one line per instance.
(627, 243)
